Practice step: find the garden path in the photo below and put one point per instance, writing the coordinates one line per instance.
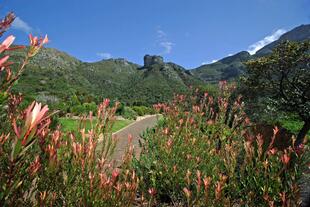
(135, 130)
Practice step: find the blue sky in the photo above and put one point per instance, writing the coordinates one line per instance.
(187, 32)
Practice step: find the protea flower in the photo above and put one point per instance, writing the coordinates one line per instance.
(7, 43)
(34, 115)
(152, 192)
(36, 44)
(2, 61)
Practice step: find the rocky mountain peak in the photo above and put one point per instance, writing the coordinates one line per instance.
(152, 59)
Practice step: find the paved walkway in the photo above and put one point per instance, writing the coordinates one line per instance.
(135, 129)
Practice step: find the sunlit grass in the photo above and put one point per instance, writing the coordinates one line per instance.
(72, 124)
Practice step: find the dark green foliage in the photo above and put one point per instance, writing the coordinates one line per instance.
(228, 68)
(281, 81)
(129, 113)
(143, 110)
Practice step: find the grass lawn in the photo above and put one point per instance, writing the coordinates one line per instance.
(72, 124)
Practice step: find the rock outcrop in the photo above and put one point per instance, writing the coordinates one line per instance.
(151, 60)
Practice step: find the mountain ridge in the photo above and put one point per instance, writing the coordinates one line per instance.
(54, 75)
(232, 67)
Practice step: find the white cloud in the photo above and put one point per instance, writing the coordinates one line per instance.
(167, 47)
(209, 62)
(104, 55)
(19, 24)
(162, 39)
(161, 34)
(267, 40)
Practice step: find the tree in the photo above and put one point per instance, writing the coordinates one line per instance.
(283, 78)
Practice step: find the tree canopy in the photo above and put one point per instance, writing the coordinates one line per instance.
(283, 77)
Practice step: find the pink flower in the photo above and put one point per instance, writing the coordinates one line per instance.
(166, 131)
(106, 102)
(36, 44)
(169, 143)
(34, 115)
(198, 173)
(275, 130)
(187, 192)
(207, 182)
(285, 158)
(272, 151)
(218, 190)
(3, 60)
(115, 175)
(35, 166)
(7, 43)
(152, 192)
(300, 149)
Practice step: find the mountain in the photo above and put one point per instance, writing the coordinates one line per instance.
(297, 34)
(224, 69)
(54, 76)
(231, 67)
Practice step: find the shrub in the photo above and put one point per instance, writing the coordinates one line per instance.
(204, 155)
(143, 110)
(129, 113)
(40, 166)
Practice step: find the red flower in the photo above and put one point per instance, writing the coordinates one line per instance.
(36, 44)
(152, 192)
(115, 175)
(285, 158)
(218, 190)
(300, 149)
(187, 192)
(6, 22)
(272, 151)
(106, 102)
(35, 166)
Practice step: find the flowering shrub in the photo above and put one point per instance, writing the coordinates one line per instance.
(40, 166)
(203, 154)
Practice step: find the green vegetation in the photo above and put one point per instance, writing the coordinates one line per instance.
(205, 159)
(60, 78)
(281, 81)
(229, 68)
(205, 151)
(68, 124)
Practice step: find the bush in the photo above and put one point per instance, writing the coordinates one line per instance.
(84, 108)
(204, 155)
(143, 110)
(129, 113)
(41, 166)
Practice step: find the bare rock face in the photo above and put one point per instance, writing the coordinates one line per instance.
(151, 60)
